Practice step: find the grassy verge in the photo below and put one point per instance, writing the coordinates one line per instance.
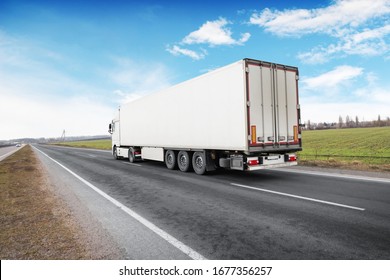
(359, 148)
(34, 224)
(93, 144)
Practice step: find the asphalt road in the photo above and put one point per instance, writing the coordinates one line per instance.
(268, 214)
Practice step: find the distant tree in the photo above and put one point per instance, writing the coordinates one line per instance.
(347, 121)
(308, 125)
(340, 121)
(357, 121)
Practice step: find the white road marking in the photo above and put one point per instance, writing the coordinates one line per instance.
(299, 197)
(166, 236)
(130, 163)
(342, 176)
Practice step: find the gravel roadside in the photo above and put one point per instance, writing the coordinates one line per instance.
(89, 231)
(40, 220)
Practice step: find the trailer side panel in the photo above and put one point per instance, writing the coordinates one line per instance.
(207, 112)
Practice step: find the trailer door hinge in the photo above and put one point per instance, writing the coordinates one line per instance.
(247, 69)
(248, 103)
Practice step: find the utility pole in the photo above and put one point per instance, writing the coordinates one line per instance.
(62, 139)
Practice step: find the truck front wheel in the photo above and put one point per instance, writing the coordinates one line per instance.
(170, 159)
(115, 153)
(131, 155)
(199, 163)
(184, 161)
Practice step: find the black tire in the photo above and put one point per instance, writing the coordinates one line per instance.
(170, 159)
(131, 155)
(184, 161)
(199, 163)
(115, 153)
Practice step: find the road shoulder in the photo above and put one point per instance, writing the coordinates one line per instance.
(97, 240)
(134, 238)
(36, 222)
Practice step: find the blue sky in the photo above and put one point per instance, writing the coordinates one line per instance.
(70, 64)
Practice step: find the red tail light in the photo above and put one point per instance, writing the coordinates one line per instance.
(292, 158)
(253, 162)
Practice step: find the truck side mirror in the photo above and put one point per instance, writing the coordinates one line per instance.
(110, 128)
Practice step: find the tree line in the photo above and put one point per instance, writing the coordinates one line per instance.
(348, 122)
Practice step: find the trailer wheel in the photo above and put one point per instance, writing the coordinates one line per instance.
(170, 159)
(184, 161)
(199, 163)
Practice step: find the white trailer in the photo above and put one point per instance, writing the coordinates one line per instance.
(244, 116)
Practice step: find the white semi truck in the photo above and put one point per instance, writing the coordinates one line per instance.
(244, 116)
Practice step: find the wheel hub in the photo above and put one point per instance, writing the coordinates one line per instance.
(199, 162)
(183, 160)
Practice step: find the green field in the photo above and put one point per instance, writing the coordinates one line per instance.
(356, 148)
(93, 144)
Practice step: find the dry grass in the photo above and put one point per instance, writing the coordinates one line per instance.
(34, 223)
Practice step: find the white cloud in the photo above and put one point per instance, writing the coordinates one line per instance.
(374, 93)
(214, 33)
(369, 42)
(333, 78)
(135, 79)
(334, 19)
(244, 38)
(138, 74)
(371, 34)
(359, 27)
(317, 55)
(345, 90)
(176, 50)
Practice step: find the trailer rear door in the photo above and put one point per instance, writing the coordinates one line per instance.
(273, 107)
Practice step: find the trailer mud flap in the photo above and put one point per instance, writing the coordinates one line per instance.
(237, 163)
(210, 161)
